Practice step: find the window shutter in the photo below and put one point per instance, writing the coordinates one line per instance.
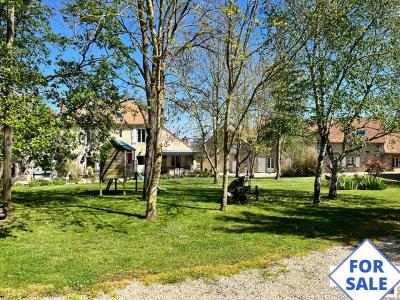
(134, 136)
(357, 161)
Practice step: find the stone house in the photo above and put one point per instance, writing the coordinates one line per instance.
(259, 162)
(177, 154)
(378, 146)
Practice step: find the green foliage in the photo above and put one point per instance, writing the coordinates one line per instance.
(361, 183)
(302, 166)
(287, 106)
(105, 150)
(195, 173)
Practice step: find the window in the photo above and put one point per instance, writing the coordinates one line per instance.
(140, 160)
(141, 135)
(351, 161)
(270, 163)
(176, 161)
(361, 132)
(396, 162)
(129, 158)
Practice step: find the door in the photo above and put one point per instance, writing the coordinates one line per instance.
(270, 165)
(234, 166)
(261, 165)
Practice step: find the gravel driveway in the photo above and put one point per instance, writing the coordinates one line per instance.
(295, 278)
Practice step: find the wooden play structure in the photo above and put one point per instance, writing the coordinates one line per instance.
(120, 164)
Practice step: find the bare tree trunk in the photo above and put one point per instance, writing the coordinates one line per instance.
(334, 181)
(237, 157)
(153, 159)
(318, 172)
(216, 153)
(225, 179)
(278, 156)
(8, 131)
(226, 150)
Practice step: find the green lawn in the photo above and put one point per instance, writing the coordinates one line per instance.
(68, 240)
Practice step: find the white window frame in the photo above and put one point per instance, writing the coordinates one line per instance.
(270, 163)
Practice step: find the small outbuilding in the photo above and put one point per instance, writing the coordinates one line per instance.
(120, 163)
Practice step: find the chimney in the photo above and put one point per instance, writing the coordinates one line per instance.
(186, 140)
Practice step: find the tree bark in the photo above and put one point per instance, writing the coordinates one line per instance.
(225, 179)
(237, 157)
(334, 181)
(278, 156)
(153, 159)
(216, 152)
(318, 172)
(7, 129)
(224, 201)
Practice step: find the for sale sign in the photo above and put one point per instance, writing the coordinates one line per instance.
(366, 274)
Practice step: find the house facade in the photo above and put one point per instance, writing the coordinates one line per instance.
(257, 162)
(178, 155)
(377, 146)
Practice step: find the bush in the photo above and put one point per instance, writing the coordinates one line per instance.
(74, 171)
(44, 182)
(375, 167)
(195, 173)
(303, 167)
(361, 183)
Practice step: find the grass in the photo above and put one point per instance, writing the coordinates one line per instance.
(66, 239)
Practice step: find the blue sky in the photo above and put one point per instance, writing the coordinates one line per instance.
(177, 123)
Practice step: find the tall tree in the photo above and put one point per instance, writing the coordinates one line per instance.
(246, 39)
(8, 95)
(285, 117)
(349, 62)
(144, 36)
(25, 36)
(201, 76)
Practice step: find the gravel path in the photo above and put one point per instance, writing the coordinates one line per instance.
(294, 278)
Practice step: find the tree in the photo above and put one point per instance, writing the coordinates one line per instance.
(25, 36)
(144, 37)
(285, 117)
(200, 81)
(31, 76)
(42, 139)
(349, 61)
(245, 40)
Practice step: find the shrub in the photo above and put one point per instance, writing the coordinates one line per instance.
(89, 171)
(303, 167)
(195, 173)
(375, 167)
(74, 171)
(44, 182)
(361, 183)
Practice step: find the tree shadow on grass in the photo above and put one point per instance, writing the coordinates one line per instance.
(8, 227)
(294, 216)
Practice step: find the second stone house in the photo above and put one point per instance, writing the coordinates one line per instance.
(377, 146)
(178, 155)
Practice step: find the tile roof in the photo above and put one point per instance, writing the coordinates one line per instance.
(374, 133)
(131, 114)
